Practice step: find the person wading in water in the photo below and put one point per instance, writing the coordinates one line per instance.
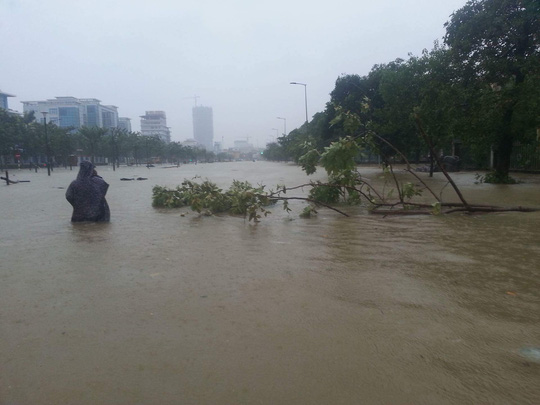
(87, 196)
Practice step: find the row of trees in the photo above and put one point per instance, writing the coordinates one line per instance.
(480, 88)
(23, 139)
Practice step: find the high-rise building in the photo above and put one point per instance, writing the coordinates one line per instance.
(124, 123)
(203, 127)
(74, 112)
(154, 123)
(4, 100)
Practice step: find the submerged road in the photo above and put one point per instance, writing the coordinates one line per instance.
(166, 307)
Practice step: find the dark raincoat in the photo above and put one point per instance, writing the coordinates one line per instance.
(87, 196)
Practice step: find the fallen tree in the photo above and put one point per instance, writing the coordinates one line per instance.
(438, 207)
(345, 186)
(10, 181)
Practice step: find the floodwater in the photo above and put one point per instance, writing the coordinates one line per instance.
(166, 307)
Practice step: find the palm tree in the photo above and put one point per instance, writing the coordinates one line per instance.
(92, 137)
(117, 137)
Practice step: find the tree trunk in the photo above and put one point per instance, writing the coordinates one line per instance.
(503, 148)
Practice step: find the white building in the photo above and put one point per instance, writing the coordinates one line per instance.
(192, 143)
(154, 123)
(243, 146)
(74, 112)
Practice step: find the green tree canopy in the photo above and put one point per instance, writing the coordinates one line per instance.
(495, 44)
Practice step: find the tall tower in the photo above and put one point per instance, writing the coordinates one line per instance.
(203, 127)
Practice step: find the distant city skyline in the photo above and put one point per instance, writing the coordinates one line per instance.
(237, 57)
(151, 123)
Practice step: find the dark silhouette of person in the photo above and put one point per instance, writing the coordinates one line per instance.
(87, 196)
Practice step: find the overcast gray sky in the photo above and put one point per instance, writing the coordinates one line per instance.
(238, 56)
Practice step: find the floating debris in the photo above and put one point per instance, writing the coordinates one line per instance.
(10, 181)
(532, 353)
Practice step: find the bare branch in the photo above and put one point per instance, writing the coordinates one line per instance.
(311, 201)
(408, 166)
(400, 194)
(432, 150)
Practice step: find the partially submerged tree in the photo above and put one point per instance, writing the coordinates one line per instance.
(495, 44)
(117, 138)
(479, 89)
(62, 142)
(92, 137)
(345, 185)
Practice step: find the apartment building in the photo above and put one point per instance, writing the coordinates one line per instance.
(74, 112)
(154, 123)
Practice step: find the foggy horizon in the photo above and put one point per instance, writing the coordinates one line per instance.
(238, 58)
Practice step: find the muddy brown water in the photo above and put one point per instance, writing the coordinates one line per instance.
(160, 308)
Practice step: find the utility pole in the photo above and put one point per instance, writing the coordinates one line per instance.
(48, 151)
(284, 125)
(305, 95)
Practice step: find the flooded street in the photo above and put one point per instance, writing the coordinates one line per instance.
(160, 308)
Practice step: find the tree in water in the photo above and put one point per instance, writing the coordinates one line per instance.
(92, 137)
(496, 46)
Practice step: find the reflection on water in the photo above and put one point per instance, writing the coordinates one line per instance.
(164, 306)
(90, 232)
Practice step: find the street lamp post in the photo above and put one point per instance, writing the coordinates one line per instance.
(305, 95)
(284, 125)
(47, 143)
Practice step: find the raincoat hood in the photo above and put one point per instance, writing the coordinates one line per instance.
(86, 170)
